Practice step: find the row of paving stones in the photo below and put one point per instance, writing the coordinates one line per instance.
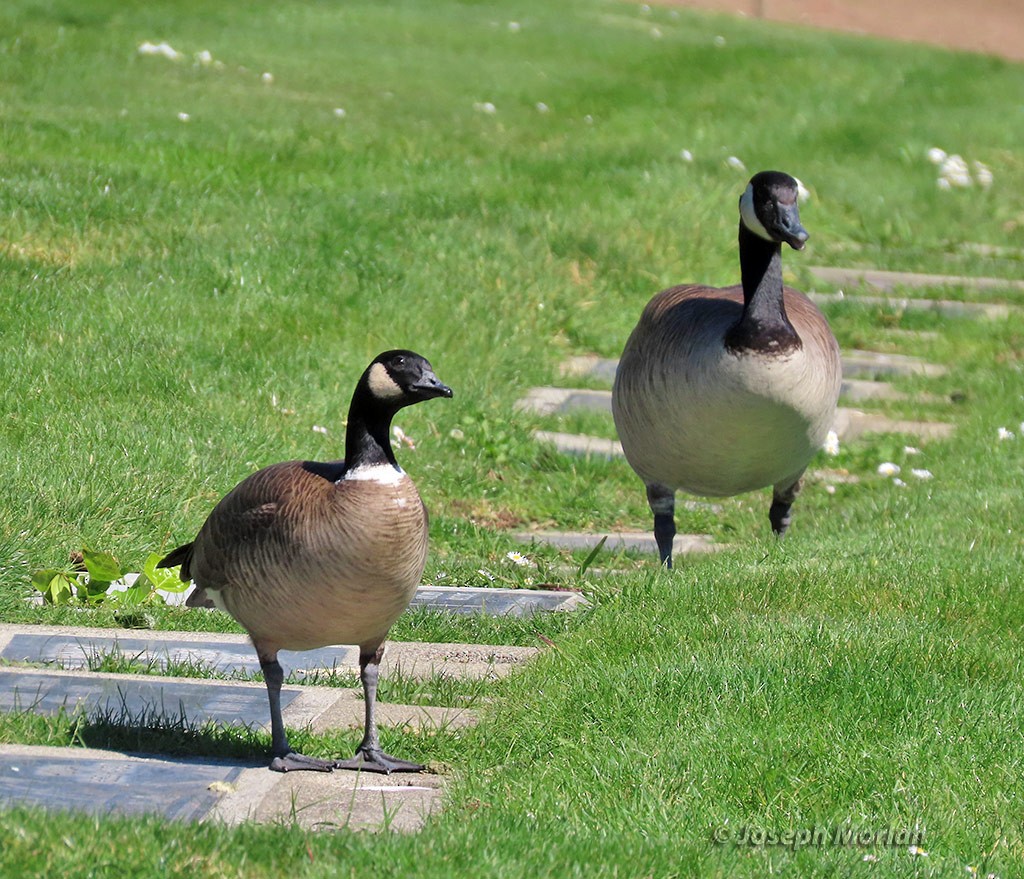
(43, 669)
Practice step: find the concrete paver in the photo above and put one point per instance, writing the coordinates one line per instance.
(888, 280)
(98, 782)
(638, 540)
(72, 647)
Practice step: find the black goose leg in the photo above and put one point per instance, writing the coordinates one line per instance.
(369, 755)
(662, 502)
(284, 758)
(782, 500)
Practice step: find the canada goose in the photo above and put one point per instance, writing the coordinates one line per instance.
(305, 554)
(720, 391)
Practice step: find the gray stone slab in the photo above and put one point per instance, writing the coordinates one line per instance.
(591, 366)
(93, 782)
(323, 802)
(71, 650)
(888, 281)
(857, 390)
(876, 363)
(558, 401)
(852, 423)
(945, 307)
(641, 541)
(497, 602)
(197, 701)
(41, 644)
(856, 364)
(580, 444)
(62, 779)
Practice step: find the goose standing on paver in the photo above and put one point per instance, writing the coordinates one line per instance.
(720, 391)
(305, 554)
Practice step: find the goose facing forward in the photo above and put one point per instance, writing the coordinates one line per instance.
(305, 554)
(721, 391)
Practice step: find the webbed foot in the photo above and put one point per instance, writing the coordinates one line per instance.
(375, 760)
(292, 762)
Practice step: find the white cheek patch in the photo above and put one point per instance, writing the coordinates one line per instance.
(382, 385)
(384, 474)
(749, 216)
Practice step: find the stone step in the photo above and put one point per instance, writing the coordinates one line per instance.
(561, 401)
(856, 364)
(94, 782)
(134, 699)
(617, 540)
(852, 423)
(944, 307)
(889, 281)
(494, 601)
(222, 653)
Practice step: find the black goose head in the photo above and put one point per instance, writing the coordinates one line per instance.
(400, 378)
(768, 209)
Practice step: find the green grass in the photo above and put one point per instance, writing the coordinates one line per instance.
(184, 301)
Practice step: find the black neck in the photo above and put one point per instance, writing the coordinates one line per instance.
(368, 435)
(764, 325)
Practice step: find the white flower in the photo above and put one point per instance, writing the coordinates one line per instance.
(514, 27)
(588, 119)
(485, 107)
(831, 446)
(898, 482)
(734, 162)
(921, 474)
(983, 175)
(954, 170)
(204, 58)
(402, 437)
(888, 469)
(911, 450)
(1005, 434)
(917, 851)
(943, 183)
(936, 155)
(686, 155)
(162, 48)
(487, 575)
(266, 78)
(339, 112)
(542, 107)
(517, 558)
(183, 117)
(870, 858)
(456, 434)
(319, 428)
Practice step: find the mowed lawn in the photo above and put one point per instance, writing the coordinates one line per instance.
(204, 244)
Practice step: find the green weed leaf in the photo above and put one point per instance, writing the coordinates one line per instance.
(162, 578)
(56, 586)
(102, 566)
